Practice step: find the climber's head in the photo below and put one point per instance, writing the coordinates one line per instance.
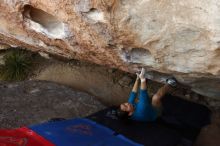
(125, 110)
(127, 107)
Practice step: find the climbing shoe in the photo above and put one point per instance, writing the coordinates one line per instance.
(171, 81)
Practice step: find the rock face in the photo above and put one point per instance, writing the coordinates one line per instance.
(178, 38)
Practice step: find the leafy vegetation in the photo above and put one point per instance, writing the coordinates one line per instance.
(17, 65)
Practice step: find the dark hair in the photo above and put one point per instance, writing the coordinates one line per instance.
(122, 114)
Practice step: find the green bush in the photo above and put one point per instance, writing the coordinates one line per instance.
(17, 65)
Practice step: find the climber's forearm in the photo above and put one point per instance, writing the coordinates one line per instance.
(135, 87)
(143, 84)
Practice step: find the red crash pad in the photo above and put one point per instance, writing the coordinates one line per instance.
(22, 137)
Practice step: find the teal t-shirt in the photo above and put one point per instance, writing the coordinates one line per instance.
(144, 111)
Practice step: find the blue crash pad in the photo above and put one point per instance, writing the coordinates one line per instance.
(80, 132)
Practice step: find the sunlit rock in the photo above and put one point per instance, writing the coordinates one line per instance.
(168, 38)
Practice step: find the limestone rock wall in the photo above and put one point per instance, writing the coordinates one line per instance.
(167, 37)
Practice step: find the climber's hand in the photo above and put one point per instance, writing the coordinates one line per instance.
(142, 74)
(137, 78)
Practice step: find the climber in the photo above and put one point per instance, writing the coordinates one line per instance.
(144, 109)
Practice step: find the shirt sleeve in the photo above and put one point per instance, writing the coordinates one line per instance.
(132, 97)
(144, 97)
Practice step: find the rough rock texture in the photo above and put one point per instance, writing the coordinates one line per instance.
(210, 135)
(180, 38)
(33, 102)
(109, 86)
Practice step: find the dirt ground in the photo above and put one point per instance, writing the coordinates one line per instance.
(33, 102)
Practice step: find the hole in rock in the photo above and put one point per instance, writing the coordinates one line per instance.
(43, 22)
(95, 15)
(138, 55)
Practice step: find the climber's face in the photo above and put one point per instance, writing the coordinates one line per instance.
(127, 107)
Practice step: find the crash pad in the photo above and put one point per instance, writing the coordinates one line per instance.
(180, 123)
(22, 137)
(80, 132)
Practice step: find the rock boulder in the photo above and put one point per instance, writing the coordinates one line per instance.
(168, 38)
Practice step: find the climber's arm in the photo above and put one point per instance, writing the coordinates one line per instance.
(133, 94)
(143, 98)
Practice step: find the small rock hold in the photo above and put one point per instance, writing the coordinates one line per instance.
(45, 55)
